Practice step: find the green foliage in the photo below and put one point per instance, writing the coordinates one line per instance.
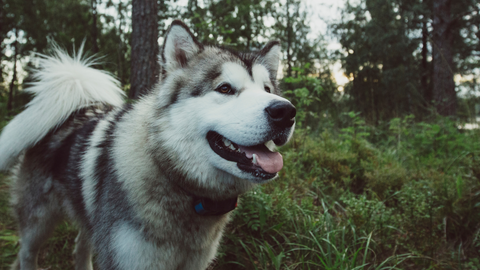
(67, 23)
(408, 201)
(379, 58)
(313, 96)
(8, 235)
(291, 28)
(343, 203)
(236, 23)
(309, 90)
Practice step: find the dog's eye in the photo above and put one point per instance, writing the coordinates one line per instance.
(225, 89)
(267, 89)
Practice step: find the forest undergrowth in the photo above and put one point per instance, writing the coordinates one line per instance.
(410, 200)
(405, 196)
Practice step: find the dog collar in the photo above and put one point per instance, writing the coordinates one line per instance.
(208, 207)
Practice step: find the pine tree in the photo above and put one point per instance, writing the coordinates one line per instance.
(389, 57)
(444, 95)
(380, 59)
(236, 23)
(291, 28)
(455, 41)
(144, 66)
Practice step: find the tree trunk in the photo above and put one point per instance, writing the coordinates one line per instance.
(192, 7)
(249, 31)
(427, 91)
(14, 77)
(121, 46)
(289, 41)
(145, 69)
(444, 94)
(94, 26)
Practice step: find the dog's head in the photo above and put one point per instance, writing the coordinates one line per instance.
(222, 113)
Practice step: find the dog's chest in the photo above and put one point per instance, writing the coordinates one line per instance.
(176, 247)
(174, 220)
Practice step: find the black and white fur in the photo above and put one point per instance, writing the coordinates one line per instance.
(126, 173)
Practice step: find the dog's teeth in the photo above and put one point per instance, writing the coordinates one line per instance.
(227, 142)
(254, 159)
(270, 145)
(232, 147)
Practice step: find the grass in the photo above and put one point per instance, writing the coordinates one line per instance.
(8, 235)
(343, 202)
(405, 196)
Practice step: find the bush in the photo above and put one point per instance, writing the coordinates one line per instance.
(410, 201)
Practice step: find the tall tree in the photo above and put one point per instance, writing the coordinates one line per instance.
(67, 23)
(14, 76)
(425, 72)
(94, 26)
(114, 40)
(7, 23)
(289, 33)
(235, 23)
(144, 65)
(422, 20)
(444, 94)
(387, 53)
(121, 43)
(292, 28)
(380, 59)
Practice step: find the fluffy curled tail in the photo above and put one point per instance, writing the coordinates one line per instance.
(63, 85)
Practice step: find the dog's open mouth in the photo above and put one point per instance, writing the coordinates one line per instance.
(257, 160)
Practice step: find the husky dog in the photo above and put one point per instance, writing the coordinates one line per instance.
(150, 184)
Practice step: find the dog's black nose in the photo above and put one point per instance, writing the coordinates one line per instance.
(281, 113)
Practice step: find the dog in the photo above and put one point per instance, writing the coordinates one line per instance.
(150, 184)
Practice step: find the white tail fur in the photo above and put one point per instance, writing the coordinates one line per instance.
(64, 85)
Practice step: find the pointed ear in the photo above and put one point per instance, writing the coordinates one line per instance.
(270, 56)
(180, 46)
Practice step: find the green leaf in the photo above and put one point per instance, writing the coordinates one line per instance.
(301, 92)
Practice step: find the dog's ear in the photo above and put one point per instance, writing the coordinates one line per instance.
(180, 45)
(270, 56)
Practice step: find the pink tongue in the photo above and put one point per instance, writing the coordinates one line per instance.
(271, 162)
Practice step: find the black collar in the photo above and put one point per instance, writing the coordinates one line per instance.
(208, 207)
